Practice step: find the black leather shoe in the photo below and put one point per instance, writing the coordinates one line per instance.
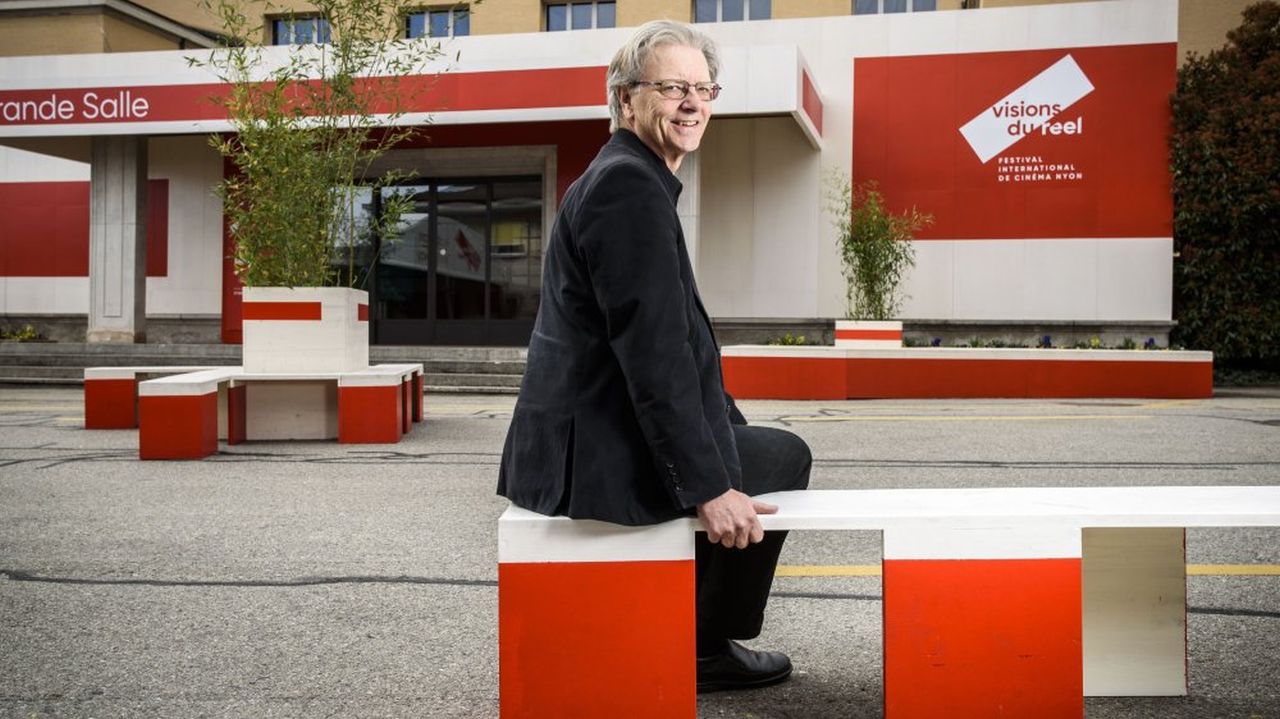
(740, 668)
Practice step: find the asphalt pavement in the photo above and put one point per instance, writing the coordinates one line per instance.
(311, 579)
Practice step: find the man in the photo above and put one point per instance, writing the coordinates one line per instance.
(622, 414)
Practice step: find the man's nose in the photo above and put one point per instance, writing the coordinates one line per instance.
(692, 101)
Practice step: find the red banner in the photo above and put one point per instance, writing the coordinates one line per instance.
(499, 90)
(1062, 143)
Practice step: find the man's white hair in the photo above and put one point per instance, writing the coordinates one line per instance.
(628, 63)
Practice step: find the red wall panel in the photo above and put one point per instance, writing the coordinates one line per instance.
(44, 229)
(908, 112)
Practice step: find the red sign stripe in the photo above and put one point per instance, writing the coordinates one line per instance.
(362, 314)
(281, 311)
(450, 92)
(811, 102)
(868, 334)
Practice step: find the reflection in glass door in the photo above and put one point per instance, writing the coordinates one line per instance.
(466, 267)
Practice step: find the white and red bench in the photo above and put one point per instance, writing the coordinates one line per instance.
(997, 602)
(183, 416)
(111, 393)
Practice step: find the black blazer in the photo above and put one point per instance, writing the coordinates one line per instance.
(622, 414)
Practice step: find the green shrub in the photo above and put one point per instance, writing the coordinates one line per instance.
(1225, 155)
(875, 246)
(789, 339)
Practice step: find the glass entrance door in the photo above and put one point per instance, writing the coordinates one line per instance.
(466, 267)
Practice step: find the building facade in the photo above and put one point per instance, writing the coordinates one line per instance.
(1034, 133)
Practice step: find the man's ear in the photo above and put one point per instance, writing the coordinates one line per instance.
(624, 97)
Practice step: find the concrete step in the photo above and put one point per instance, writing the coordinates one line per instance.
(460, 379)
(80, 361)
(467, 389)
(7, 378)
(448, 369)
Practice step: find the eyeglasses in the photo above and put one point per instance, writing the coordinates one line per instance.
(679, 90)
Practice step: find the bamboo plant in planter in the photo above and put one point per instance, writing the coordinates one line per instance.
(308, 123)
(875, 254)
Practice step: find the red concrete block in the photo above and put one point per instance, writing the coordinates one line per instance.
(370, 415)
(237, 411)
(597, 639)
(417, 396)
(406, 410)
(983, 638)
(178, 426)
(110, 403)
(784, 377)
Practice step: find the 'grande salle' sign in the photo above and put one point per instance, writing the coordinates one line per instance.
(77, 106)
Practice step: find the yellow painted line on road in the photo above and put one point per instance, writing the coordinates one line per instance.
(873, 570)
(964, 418)
(831, 570)
(1170, 403)
(37, 407)
(1234, 570)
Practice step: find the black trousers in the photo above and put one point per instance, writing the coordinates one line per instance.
(733, 584)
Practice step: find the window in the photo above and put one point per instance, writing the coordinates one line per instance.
(581, 15)
(731, 10)
(299, 30)
(446, 22)
(871, 7)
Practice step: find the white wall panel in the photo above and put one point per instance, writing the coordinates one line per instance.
(787, 208)
(1135, 279)
(22, 166)
(725, 242)
(932, 282)
(761, 211)
(45, 295)
(989, 279)
(1060, 280)
(926, 33)
(194, 282)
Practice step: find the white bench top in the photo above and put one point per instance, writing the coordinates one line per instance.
(201, 382)
(205, 380)
(131, 372)
(1005, 523)
(880, 509)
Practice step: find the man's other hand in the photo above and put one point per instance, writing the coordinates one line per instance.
(731, 520)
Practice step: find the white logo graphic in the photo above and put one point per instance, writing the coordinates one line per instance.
(1029, 109)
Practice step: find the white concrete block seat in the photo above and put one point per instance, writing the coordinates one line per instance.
(997, 601)
(182, 416)
(111, 393)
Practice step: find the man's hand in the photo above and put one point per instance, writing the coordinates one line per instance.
(731, 520)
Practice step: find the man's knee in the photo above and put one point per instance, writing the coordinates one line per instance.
(797, 458)
(803, 462)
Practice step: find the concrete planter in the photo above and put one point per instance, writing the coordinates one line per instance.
(305, 329)
(818, 372)
(868, 334)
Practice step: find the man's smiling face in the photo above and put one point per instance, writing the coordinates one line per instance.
(671, 128)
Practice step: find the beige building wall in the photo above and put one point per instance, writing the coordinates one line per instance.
(187, 12)
(810, 8)
(122, 35)
(632, 13)
(1203, 26)
(30, 34)
(495, 17)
